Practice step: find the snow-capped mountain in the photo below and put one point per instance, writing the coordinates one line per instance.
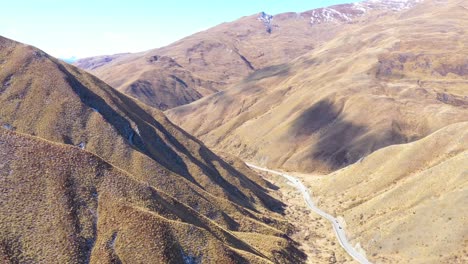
(345, 13)
(348, 12)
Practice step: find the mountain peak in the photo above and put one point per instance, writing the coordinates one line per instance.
(346, 13)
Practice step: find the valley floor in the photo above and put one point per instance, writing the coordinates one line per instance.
(313, 232)
(318, 240)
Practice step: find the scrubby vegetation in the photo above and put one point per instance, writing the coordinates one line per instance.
(109, 179)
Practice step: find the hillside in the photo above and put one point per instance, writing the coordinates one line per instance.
(161, 173)
(214, 59)
(365, 103)
(385, 82)
(405, 203)
(66, 205)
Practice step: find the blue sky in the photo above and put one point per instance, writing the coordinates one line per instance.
(66, 28)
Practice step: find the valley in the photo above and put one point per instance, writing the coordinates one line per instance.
(337, 226)
(106, 166)
(333, 135)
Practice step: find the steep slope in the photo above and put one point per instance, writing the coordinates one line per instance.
(211, 60)
(65, 205)
(47, 98)
(406, 203)
(385, 82)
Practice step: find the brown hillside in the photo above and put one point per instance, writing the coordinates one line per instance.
(44, 97)
(405, 203)
(61, 204)
(385, 82)
(214, 59)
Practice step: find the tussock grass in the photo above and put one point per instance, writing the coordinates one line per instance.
(141, 190)
(383, 81)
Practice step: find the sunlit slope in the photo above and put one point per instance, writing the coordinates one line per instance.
(406, 203)
(387, 82)
(61, 204)
(44, 97)
(203, 63)
(213, 59)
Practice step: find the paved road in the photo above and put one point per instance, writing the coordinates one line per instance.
(339, 231)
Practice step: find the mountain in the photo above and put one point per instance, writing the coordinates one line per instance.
(90, 175)
(380, 112)
(66, 205)
(213, 60)
(405, 203)
(367, 103)
(388, 81)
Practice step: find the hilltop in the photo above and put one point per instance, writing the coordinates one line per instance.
(107, 171)
(214, 59)
(391, 81)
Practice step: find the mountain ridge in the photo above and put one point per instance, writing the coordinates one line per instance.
(366, 103)
(212, 60)
(411, 202)
(310, 114)
(49, 99)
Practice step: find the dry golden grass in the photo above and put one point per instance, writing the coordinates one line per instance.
(64, 205)
(405, 203)
(165, 190)
(394, 81)
(314, 233)
(211, 60)
(389, 81)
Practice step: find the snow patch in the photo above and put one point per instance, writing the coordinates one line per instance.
(137, 131)
(329, 14)
(8, 126)
(266, 19)
(82, 145)
(188, 259)
(359, 6)
(348, 12)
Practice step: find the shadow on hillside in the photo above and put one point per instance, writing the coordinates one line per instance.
(206, 163)
(334, 145)
(192, 217)
(267, 72)
(244, 181)
(339, 141)
(270, 185)
(153, 140)
(166, 156)
(317, 117)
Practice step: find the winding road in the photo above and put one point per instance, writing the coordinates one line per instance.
(339, 231)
